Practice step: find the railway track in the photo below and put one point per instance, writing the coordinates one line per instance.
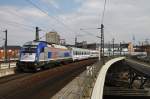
(13, 77)
(42, 85)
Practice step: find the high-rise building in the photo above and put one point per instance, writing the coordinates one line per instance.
(53, 37)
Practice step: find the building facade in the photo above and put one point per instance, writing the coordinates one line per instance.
(12, 52)
(53, 37)
(82, 44)
(145, 48)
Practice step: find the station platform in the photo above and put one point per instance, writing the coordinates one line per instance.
(81, 86)
(7, 69)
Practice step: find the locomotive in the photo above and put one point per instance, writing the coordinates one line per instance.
(36, 55)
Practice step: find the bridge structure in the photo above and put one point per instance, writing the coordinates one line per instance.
(99, 85)
(136, 71)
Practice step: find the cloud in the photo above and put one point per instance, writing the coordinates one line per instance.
(78, 1)
(52, 2)
(123, 18)
(19, 23)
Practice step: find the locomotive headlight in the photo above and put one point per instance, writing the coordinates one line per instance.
(35, 64)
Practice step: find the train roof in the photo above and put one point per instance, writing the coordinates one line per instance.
(48, 44)
(55, 45)
(75, 48)
(36, 42)
(59, 46)
(83, 49)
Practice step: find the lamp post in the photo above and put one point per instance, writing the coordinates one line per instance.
(99, 56)
(102, 43)
(5, 46)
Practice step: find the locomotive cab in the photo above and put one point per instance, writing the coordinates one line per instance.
(29, 55)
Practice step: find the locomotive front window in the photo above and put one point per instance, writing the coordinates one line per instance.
(29, 48)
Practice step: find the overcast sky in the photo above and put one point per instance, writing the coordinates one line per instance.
(123, 19)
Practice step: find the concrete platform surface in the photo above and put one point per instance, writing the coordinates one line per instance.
(76, 88)
(7, 69)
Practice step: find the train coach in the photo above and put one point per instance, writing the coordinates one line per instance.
(36, 55)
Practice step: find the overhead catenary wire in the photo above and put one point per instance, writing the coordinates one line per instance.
(102, 20)
(18, 15)
(25, 26)
(22, 25)
(60, 11)
(56, 8)
(45, 29)
(1, 41)
(37, 7)
(49, 4)
(46, 13)
(13, 24)
(56, 19)
(91, 34)
(18, 23)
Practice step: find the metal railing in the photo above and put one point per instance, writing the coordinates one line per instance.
(10, 63)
